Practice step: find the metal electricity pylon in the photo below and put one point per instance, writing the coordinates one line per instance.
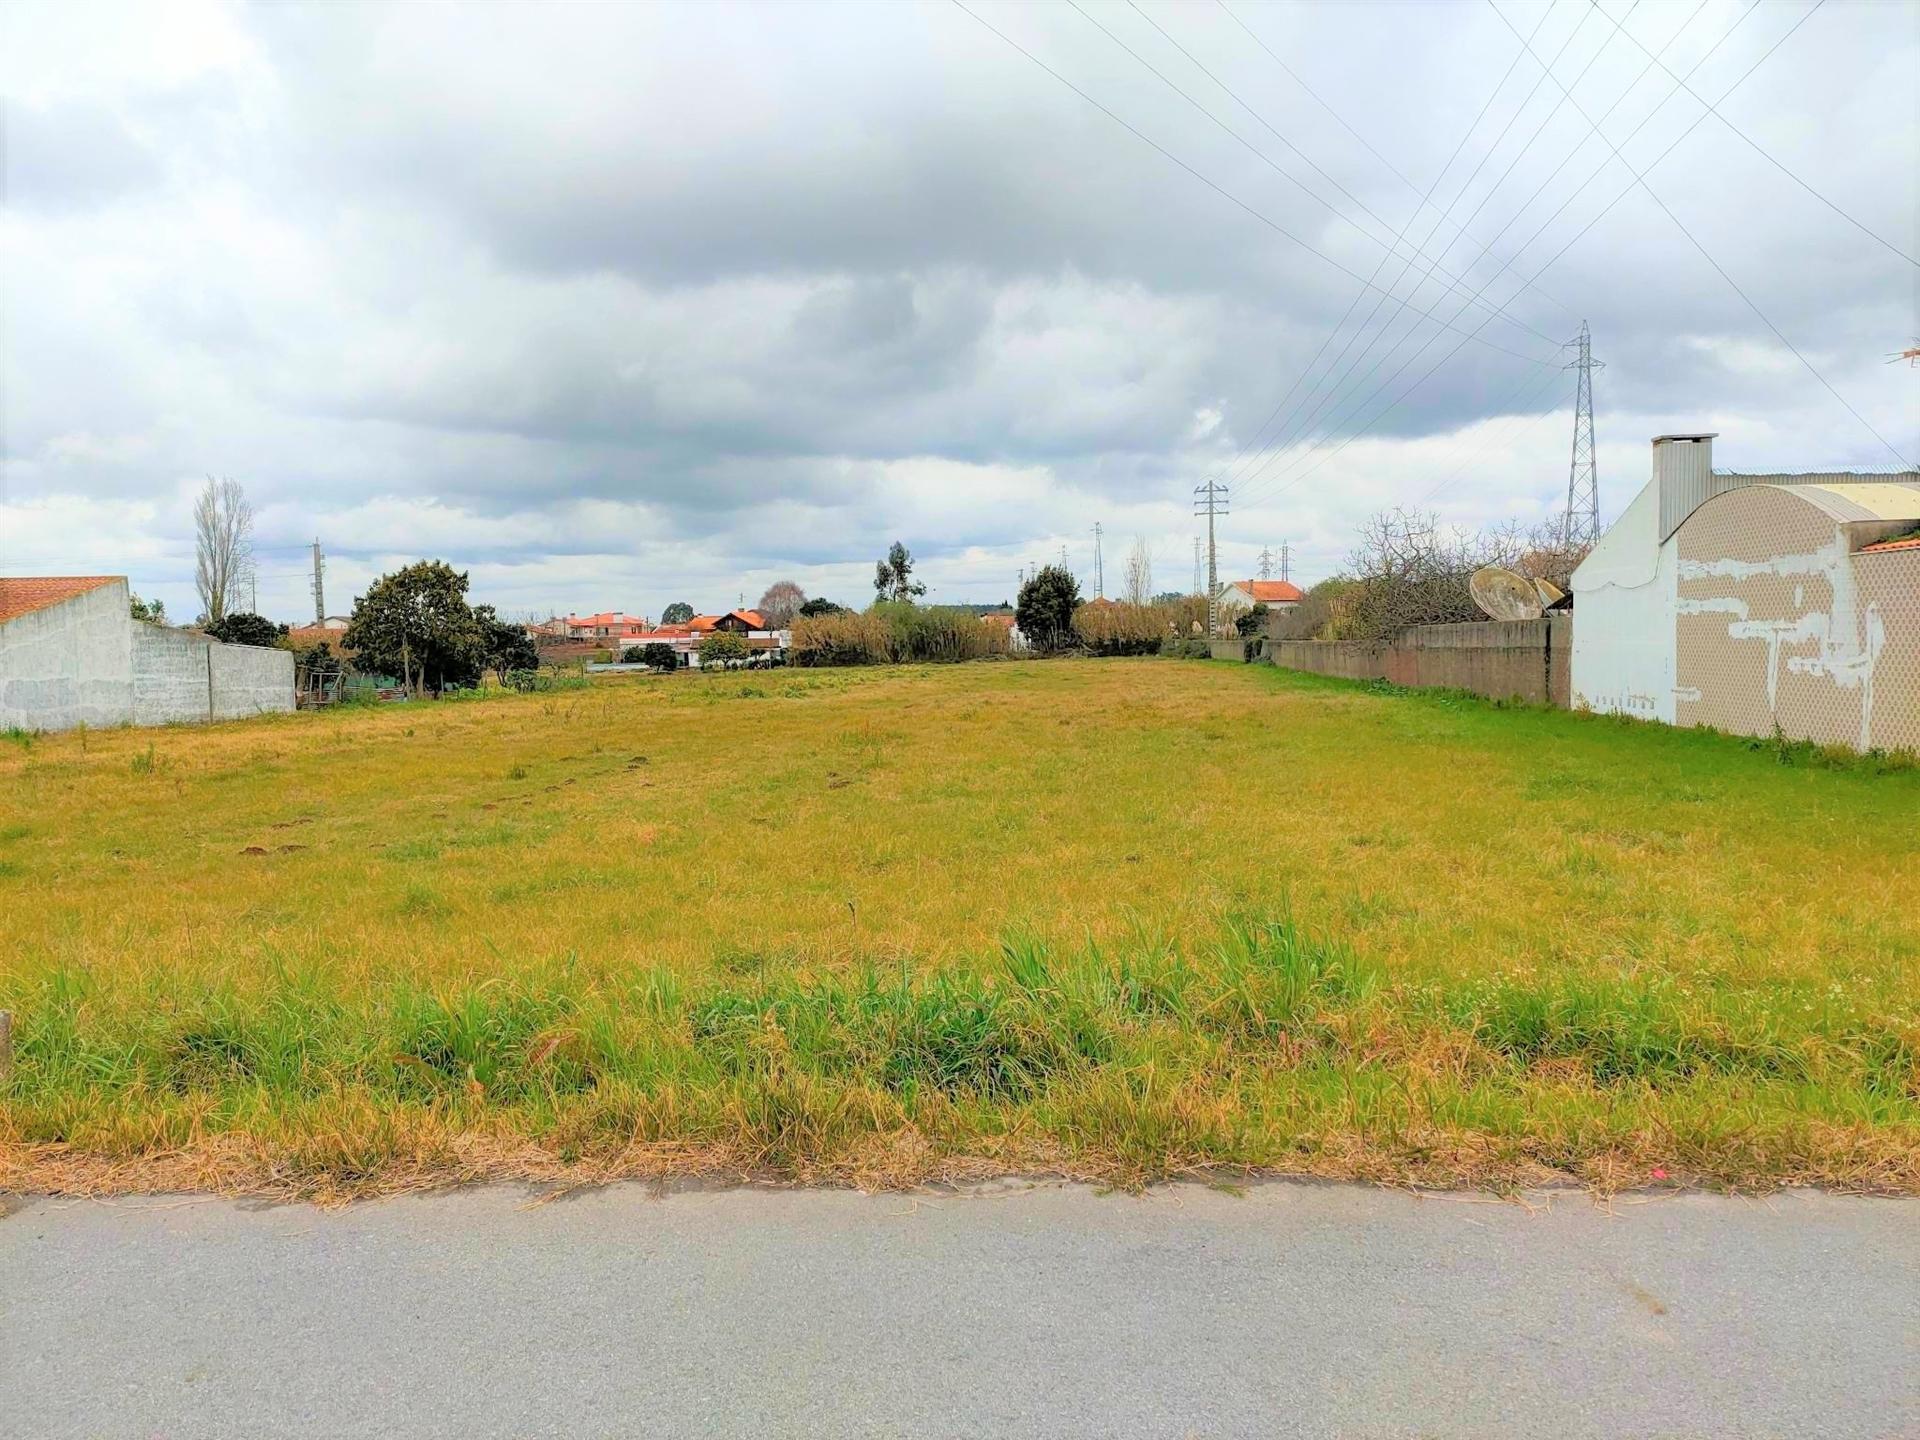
(1099, 571)
(1211, 501)
(1581, 527)
(1266, 563)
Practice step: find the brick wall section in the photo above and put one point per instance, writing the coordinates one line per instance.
(1501, 659)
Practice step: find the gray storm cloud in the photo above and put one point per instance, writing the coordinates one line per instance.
(619, 305)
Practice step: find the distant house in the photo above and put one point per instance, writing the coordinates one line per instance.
(1004, 620)
(740, 622)
(614, 629)
(1274, 594)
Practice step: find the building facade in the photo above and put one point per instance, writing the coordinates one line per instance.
(1756, 603)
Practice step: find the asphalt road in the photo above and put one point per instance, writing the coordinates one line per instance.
(1052, 1311)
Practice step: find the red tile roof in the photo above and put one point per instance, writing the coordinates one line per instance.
(28, 593)
(1273, 591)
(1909, 542)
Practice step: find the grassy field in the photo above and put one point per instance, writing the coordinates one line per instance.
(1112, 918)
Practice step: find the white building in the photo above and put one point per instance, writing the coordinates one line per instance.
(1750, 602)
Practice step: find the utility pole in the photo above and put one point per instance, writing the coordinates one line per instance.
(1266, 563)
(319, 590)
(1196, 567)
(1099, 574)
(1063, 557)
(1582, 523)
(1285, 553)
(1211, 501)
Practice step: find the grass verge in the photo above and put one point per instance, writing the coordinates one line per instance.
(1265, 1049)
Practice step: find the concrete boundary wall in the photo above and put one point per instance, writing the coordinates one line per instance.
(181, 676)
(67, 665)
(1501, 659)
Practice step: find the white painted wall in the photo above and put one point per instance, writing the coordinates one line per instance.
(86, 661)
(171, 682)
(251, 680)
(1625, 609)
(180, 676)
(67, 665)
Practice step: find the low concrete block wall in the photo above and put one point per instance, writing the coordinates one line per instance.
(250, 680)
(179, 676)
(1501, 659)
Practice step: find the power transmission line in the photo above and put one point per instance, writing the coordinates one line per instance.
(1287, 433)
(1581, 528)
(1212, 503)
(1713, 110)
(1693, 240)
(1541, 229)
(1340, 324)
(1454, 282)
(1215, 186)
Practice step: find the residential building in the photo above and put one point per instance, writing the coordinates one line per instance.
(614, 629)
(1756, 603)
(1274, 594)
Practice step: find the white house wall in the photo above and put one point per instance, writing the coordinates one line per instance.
(67, 664)
(1625, 608)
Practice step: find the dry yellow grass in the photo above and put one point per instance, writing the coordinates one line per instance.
(192, 922)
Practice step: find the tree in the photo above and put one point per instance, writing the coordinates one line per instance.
(504, 646)
(819, 606)
(659, 655)
(1047, 603)
(678, 613)
(222, 546)
(1139, 572)
(154, 612)
(723, 645)
(415, 624)
(243, 627)
(1252, 622)
(893, 576)
(781, 603)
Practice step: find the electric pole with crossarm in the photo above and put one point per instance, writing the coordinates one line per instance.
(1211, 501)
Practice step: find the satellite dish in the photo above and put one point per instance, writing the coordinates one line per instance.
(1550, 593)
(1504, 595)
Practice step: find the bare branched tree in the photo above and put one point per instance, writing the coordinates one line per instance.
(1139, 572)
(223, 547)
(781, 603)
(1409, 569)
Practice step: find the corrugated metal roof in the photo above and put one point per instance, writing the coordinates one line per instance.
(24, 594)
(1861, 501)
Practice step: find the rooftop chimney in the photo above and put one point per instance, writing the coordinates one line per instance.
(1683, 471)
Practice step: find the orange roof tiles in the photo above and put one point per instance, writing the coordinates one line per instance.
(37, 592)
(1273, 591)
(1908, 542)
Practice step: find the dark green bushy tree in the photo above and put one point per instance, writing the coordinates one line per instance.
(504, 646)
(415, 623)
(241, 627)
(819, 606)
(678, 613)
(1045, 610)
(659, 655)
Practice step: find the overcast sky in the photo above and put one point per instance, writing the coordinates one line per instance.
(619, 305)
